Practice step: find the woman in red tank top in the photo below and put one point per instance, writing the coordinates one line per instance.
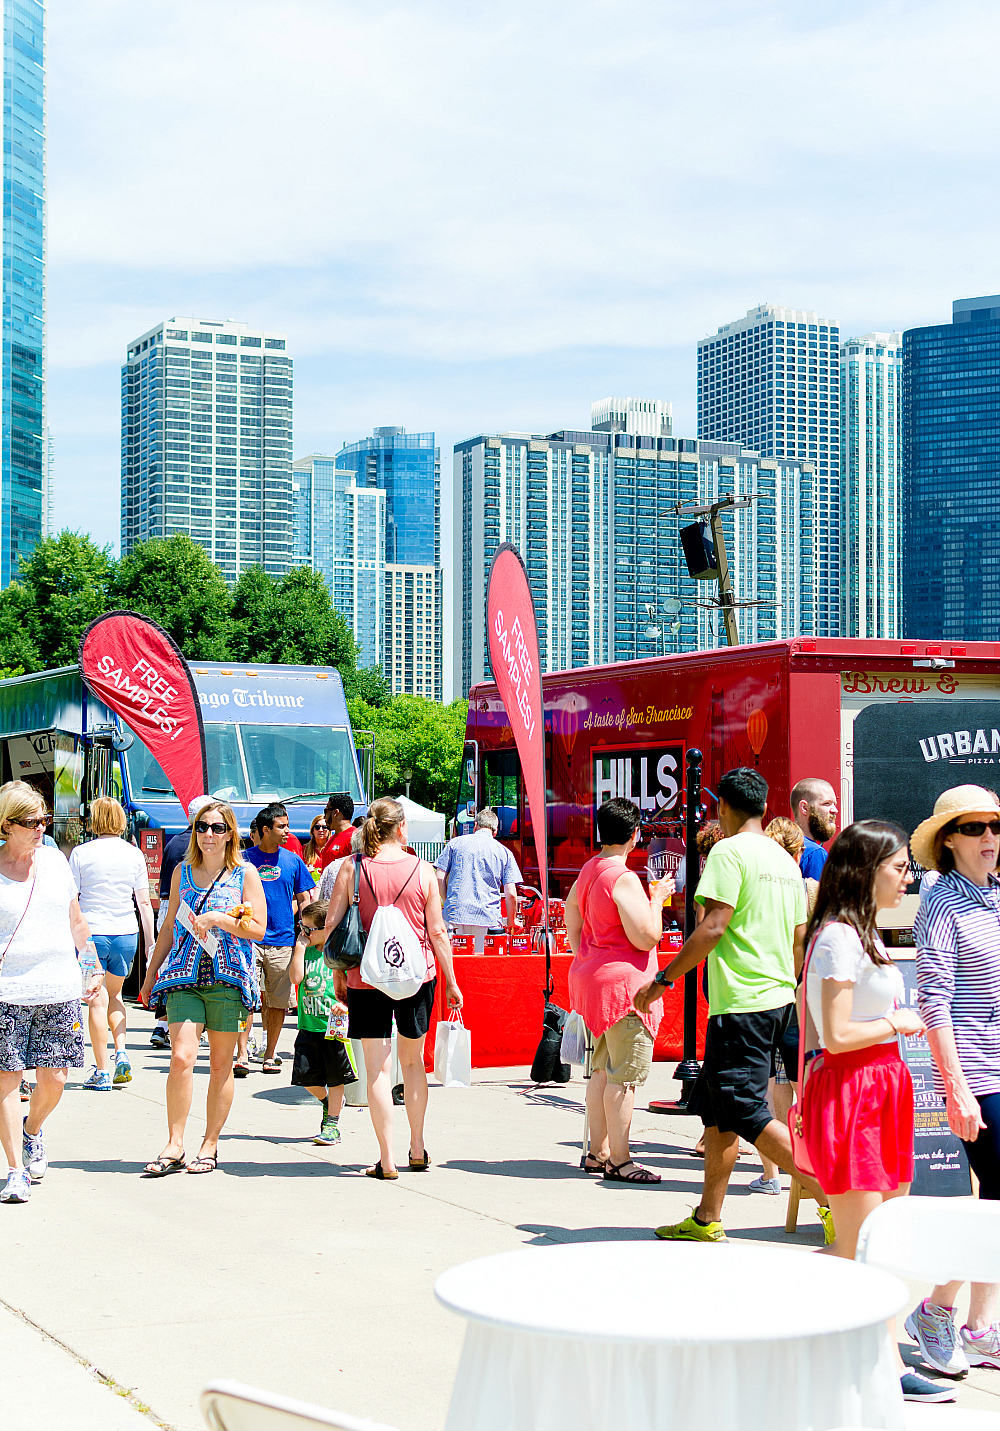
(391, 875)
(614, 929)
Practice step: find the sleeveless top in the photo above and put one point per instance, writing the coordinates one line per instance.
(394, 882)
(188, 966)
(608, 970)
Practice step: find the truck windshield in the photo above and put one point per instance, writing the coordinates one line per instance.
(225, 768)
(288, 760)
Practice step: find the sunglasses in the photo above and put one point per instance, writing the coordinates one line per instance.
(319, 827)
(39, 823)
(975, 828)
(204, 828)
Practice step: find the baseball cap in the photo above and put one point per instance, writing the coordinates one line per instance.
(199, 803)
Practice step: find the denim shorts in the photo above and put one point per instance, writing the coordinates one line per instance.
(116, 953)
(41, 1036)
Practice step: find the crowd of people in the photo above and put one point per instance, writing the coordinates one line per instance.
(804, 998)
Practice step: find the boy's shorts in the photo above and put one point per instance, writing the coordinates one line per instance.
(321, 1062)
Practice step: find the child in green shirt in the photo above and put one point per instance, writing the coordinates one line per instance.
(321, 1065)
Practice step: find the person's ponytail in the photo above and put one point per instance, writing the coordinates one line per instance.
(384, 819)
(369, 838)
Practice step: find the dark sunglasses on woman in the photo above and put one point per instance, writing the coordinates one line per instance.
(203, 828)
(43, 820)
(975, 828)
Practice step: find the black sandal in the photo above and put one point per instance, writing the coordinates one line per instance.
(376, 1172)
(162, 1167)
(613, 1173)
(419, 1165)
(599, 1164)
(210, 1160)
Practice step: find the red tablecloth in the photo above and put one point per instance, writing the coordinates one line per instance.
(504, 1002)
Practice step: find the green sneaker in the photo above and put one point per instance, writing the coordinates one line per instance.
(123, 1069)
(329, 1132)
(691, 1231)
(826, 1218)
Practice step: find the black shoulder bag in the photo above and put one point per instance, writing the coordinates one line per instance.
(345, 947)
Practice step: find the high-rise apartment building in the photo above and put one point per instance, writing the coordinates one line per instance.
(590, 513)
(339, 530)
(951, 475)
(414, 614)
(207, 442)
(23, 460)
(871, 374)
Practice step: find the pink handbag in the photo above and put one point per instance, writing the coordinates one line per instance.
(800, 1152)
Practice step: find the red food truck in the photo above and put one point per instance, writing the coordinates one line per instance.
(890, 724)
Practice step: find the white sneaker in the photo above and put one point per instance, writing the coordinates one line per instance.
(33, 1153)
(17, 1188)
(982, 1348)
(933, 1329)
(765, 1185)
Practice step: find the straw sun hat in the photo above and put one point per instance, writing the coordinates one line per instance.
(950, 805)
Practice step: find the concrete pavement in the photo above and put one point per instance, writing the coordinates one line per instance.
(288, 1268)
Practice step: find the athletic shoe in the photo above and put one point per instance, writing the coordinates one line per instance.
(921, 1388)
(203, 1041)
(691, 1231)
(99, 1081)
(933, 1329)
(765, 1185)
(329, 1132)
(33, 1154)
(123, 1069)
(25, 1091)
(826, 1218)
(17, 1188)
(159, 1038)
(982, 1348)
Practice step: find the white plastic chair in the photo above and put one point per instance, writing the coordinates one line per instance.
(933, 1239)
(232, 1406)
(936, 1239)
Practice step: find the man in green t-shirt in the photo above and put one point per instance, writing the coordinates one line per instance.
(752, 935)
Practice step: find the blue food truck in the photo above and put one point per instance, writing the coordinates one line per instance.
(271, 733)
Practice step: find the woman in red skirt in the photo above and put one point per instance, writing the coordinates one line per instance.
(857, 1106)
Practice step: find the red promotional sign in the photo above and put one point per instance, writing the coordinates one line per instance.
(137, 670)
(513, 641)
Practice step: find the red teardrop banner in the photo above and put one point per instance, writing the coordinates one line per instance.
(137, 670)
(513, 641)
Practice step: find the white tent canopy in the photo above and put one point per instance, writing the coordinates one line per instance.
(422, 825)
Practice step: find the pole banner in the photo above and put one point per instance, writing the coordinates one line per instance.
(137, 670)
(513, 644)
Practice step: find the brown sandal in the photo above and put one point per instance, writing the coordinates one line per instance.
(419, 1165)
(613, 1173)
(376, 1172)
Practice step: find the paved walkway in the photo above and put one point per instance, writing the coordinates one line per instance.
(290, 1270)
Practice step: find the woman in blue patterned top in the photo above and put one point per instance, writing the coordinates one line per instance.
(203, 962)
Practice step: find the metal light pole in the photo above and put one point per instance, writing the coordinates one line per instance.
(726, 600)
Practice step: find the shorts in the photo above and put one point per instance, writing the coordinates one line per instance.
(625, 1051)
(272, 973)
(857, 1120)
(984, 1153)
(372, 1013)
(786, 1068)
(740, 1052)
(321, 1062)
(218, 1007)
(116, 953)
(41, 1036)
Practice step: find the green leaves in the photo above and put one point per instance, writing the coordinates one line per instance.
(175, 582)
(418, 735)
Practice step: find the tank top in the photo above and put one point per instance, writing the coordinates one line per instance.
(608, 969)
(394, 882)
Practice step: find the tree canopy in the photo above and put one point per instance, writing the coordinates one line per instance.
(418, 735)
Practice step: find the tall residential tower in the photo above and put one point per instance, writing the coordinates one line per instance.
(207, 442)
(23, 460)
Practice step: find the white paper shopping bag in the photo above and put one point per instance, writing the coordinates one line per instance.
(453, 1053)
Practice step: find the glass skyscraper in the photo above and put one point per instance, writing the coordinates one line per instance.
(23, 466)
(407, 467)
(951, 475)
(207, 442)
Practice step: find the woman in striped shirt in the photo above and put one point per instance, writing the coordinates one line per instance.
(957, 933)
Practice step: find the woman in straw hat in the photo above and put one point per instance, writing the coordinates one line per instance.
(957, 933)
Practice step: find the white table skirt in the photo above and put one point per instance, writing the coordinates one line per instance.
(521, 1381)
(673, 1337)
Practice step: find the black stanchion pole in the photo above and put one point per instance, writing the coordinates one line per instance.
(687, 1069)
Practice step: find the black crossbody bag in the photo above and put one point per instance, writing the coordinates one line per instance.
(345, 947)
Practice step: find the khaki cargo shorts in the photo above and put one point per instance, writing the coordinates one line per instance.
(272, 974)
(625, 1051)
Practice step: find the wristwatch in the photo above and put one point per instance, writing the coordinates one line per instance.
(661, 978)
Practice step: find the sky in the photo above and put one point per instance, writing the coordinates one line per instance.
(471, 217)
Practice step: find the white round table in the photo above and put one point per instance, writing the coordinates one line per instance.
(642, 1336)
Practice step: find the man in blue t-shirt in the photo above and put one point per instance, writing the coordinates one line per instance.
(473, 872)
(814, 810)
(288, 885)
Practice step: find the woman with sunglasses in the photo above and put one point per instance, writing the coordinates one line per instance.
(319, 838)
(41, 930)
(204, 963)
(957, 934)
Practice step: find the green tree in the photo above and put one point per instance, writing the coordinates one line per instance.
(412, 733)
(59, 590)
(290, 621)
(368, 684)
(175, 582)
